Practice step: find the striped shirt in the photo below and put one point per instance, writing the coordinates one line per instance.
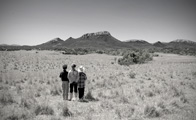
(82, 79)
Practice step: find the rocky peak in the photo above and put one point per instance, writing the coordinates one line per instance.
(97, 34)
(136, 41)
(55, 40)
(183, 41)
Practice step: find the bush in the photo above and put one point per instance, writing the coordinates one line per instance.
(132, 75)
(28, 102)
(55, 90)
(100, 51)
(43, 109)
(17, 114)
(150, 111)
(77, 51)
(66, 112)
(6, 98)
(155, 55)
(135, 58)
(90, 97)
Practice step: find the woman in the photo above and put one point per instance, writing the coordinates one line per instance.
(65, 82)
(81, 83)
(73, 77)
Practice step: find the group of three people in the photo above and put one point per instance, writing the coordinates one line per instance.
(73, 80)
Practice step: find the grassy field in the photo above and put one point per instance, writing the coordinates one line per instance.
(162, 89)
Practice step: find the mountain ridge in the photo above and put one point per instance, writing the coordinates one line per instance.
(104, 40)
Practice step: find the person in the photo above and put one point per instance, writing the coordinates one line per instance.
(73, 77)
(65, 82)
(81, 83)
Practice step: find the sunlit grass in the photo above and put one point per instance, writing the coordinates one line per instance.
(160, 88)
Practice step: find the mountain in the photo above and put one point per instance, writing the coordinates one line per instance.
(98, 40)
(9, 45)
(181, 44)
(159, 44)
(104, 40)
(183, 41)
(50, 44)
(134, 43)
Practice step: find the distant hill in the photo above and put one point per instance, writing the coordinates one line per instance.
(104, 40)
(179, 46)
(9, 45)
(50, 44)
(98, 40)
(181, 43)
(134, 43)
(159, 44)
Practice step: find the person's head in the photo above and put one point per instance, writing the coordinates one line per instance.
(64, 67)
(73, 66)
(81, 69)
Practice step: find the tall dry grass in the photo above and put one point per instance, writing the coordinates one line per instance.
(160, 89)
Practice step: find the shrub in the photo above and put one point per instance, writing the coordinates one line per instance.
(28, 102)
(150, 111)
(194, 74)
(17, 114)
(55, 90)
(124, 100)
(135, 58)
(149, 93)
(66, 112)
(90, 97)
(175, 92)
(132, 75)
(184, 99)
(43, 109)
(124, 112)
(107, 105)
(100, 51)
(6, 98)
(55, 118)
(155, 55)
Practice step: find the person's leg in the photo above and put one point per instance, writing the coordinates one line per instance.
(71, 91)
(80, 93)
(63, 88)
(75, 90)
(66, 89)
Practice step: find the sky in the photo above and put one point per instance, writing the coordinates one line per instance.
(32, 22)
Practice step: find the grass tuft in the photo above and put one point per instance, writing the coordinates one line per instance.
(132, 75)
(150, 111)
(66, 112)
(6, 98)
(43, 109)
(90, 97)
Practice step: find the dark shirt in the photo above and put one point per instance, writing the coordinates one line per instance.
(63, 76)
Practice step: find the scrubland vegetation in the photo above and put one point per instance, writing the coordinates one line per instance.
(163, 88)
(135, 58)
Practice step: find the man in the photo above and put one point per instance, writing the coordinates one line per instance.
(73, 77)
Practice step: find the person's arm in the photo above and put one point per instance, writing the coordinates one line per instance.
(85, 77)
(68, 75)
(77, 79)
(60, 75)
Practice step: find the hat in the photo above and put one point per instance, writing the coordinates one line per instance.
(65, 66)
(81, 69)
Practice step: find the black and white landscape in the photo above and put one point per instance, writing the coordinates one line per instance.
(138, 55)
